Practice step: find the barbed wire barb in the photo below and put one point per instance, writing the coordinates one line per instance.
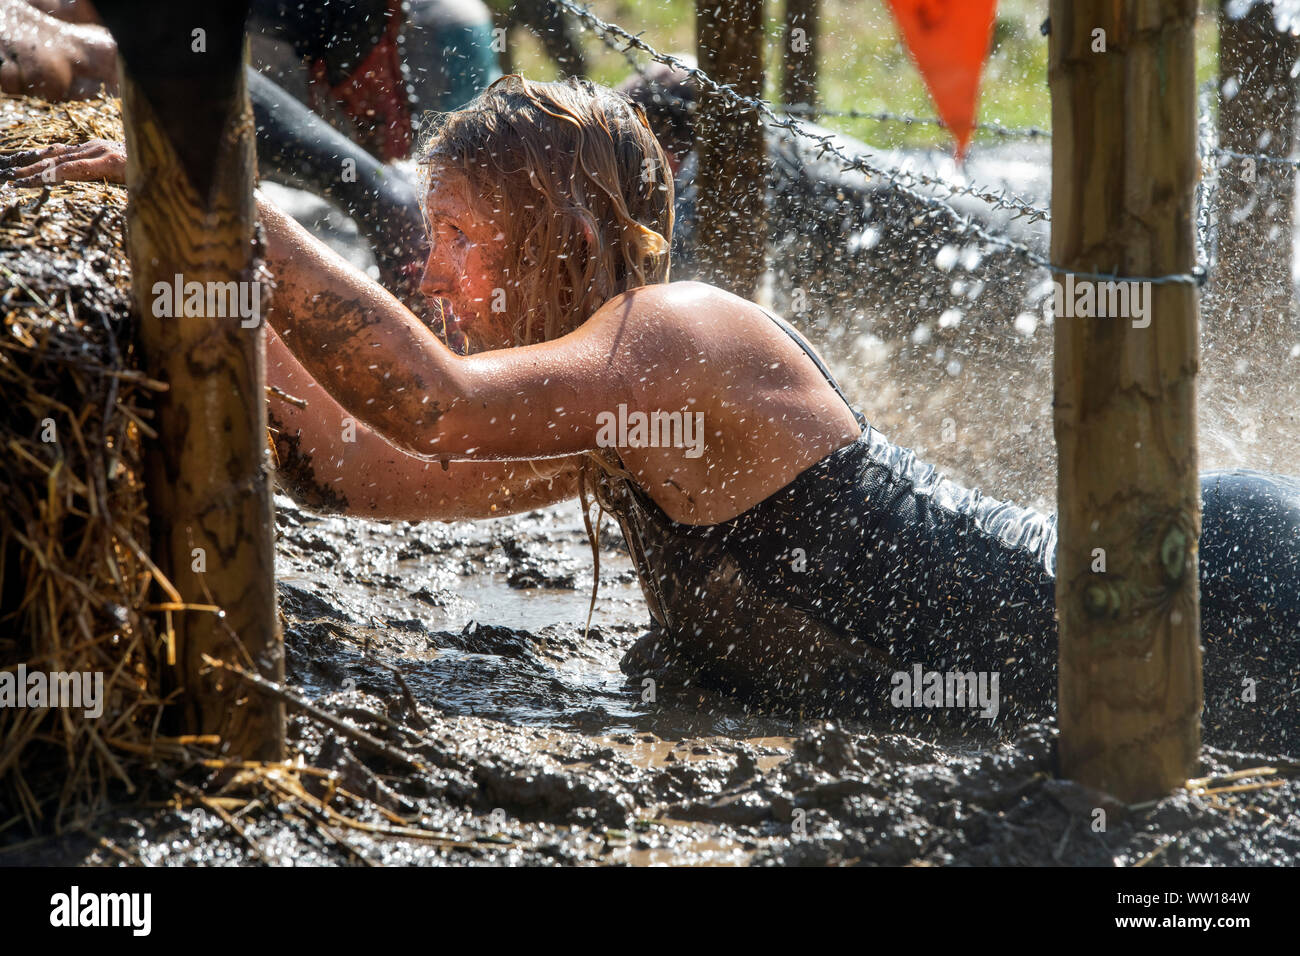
(961, 223)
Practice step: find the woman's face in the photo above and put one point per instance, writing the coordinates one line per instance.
(464, 276)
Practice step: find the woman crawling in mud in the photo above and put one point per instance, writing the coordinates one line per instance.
(792, 557)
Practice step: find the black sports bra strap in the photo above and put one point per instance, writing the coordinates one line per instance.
(817, 360)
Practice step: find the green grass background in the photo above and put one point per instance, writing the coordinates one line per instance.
(862, 63)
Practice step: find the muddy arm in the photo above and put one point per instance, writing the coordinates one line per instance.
(392, 373)
(48, 57)
(328, 462)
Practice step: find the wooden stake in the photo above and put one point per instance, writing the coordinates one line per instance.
(1124, 166)
(190, 173)
(732, 179)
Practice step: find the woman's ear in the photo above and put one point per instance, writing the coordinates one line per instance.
(589, 233)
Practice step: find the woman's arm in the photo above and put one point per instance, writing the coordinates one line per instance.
(329, 462)
(48, 57)
(394, 375)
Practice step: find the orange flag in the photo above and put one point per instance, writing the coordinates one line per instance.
(949, 40)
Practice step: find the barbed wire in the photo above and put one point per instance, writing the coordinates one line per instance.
(963, 224)
(1006, 132)
(911, 119)
(994, 198)
(907, 119)
(879, 116)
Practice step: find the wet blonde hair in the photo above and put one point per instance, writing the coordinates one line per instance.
(549, 159)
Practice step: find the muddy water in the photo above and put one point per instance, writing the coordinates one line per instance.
(559, 757)
(486, 619)
(948, 351)
(536, 749)
(463, 645)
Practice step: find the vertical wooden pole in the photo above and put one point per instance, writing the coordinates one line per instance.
(732, 180)
(799, 49)
(190, 173)
(1257, 111)
(1124, 166)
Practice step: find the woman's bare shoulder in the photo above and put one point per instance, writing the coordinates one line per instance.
(687, 313)
(684, 295)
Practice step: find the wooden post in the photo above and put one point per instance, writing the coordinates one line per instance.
(1255, 202)
(190, 174)
(799, 74)
(1124, 166)
(731, 207)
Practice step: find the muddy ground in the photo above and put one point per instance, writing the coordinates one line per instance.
(533, 747)
(482, 727)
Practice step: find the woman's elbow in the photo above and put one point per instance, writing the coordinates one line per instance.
(296, 475)
(307, 492)
(433, 432)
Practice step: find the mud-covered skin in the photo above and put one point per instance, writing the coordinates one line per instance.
(334, 327)
(327, 330)
(295, 474)
(41, 55)
(336, 320)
